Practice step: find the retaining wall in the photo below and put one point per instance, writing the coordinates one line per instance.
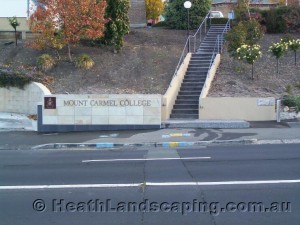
(232, 108)
(25, 101)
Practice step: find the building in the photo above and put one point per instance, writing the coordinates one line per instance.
(225, 6)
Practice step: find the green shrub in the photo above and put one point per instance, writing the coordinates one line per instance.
(160, 24)
(292, 19)
(45, 62)
(118, 23)
(289, 89)
(11, 78)
(176, 15)
(297, 85)
(246, 32)
(85, 62)
(281, 19)
(291, 101)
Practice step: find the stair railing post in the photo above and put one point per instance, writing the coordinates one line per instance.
(200, 35)
(205, 25)
(218, 43)
(195, 40)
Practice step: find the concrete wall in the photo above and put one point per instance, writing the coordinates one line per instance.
(137, 13)
(170, 96)
(211, 76)
(5, 26)
(25, 101)
(229, 108)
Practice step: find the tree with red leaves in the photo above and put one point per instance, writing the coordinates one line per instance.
(64, 22)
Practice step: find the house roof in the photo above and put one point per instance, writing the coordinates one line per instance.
(251, 1)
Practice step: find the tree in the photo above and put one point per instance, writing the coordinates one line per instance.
(64, 22)
(241, 10)
(118, 22)
(278, 50)
(249, 54)
(294, 45)
(154, 8)
(176, 15)
(14, 23)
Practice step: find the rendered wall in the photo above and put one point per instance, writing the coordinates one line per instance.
(25, 101)
(230, 108)
(211, 76)
(170, 96)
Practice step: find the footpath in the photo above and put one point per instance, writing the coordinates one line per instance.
(18, 132)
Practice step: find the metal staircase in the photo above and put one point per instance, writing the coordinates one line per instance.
(210, 44)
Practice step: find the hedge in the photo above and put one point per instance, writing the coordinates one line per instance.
(11, 78)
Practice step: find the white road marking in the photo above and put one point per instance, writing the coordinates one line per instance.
(149, 159)
(77, 186)
(33, 187)
(222, 183)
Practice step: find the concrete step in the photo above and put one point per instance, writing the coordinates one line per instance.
(198, 67)
(188, 93)
(187, 101)
(186, 106)
(200, 78)
(205, 51)
(192, 89)
(197, 72)
(195, 77)
(207, 47)
(200, 60)
(211, 44)
(199, 64)
(199, 54)
(188, 97)
(192, 84)
(184, 116)
(197, 57)
(185, 111)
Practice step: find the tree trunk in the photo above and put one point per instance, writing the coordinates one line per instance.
(295, 58)
(16, 37)
(58, 55)
(69, 53)
(277, 65)
(252, 72)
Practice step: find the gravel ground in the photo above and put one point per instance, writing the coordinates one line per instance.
(233, 78)
(145, 65)
(147, 62)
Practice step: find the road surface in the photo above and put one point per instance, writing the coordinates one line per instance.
(257, 184)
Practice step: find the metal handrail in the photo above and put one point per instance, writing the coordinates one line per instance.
(226, 29)
(187, 45)
(217, 49)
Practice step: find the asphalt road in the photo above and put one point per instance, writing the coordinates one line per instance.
(212, 185)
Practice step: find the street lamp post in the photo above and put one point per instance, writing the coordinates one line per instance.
(188, 5)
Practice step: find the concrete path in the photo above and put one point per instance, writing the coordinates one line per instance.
(13, 121)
